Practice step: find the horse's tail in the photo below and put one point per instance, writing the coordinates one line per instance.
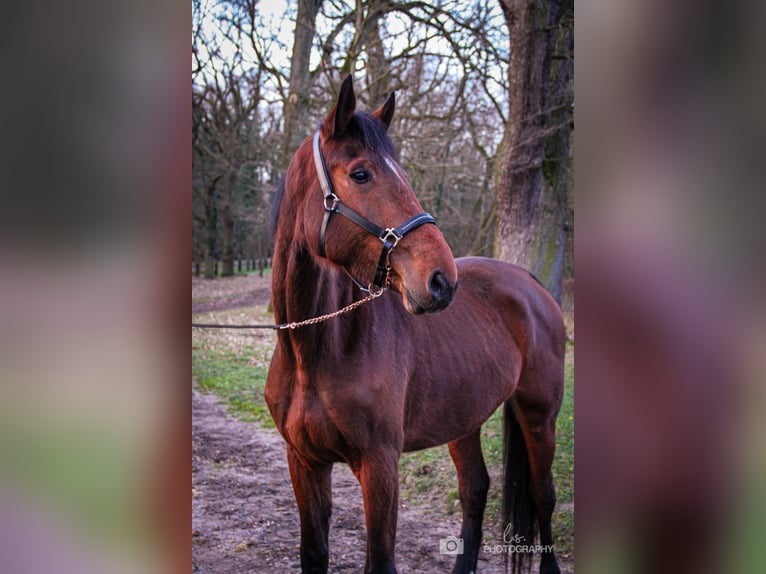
(519, 519)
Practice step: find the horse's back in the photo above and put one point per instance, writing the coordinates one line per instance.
(517, 295)
(522, 303)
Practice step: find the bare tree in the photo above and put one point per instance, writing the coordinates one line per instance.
(296, 107)
(448, 63)
(444, 64)
(532, 173)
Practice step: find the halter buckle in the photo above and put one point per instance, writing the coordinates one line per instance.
(375, 291)
(334, 202)
(391, 235)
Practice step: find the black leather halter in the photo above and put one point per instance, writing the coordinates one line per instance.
(390, 236)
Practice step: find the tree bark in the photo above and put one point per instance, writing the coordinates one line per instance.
(227, 220)
(378, 68)
(211, 228)
(228, 241)
(532, 187)
(297, 102)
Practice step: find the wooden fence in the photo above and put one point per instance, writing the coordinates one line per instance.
(240, 266)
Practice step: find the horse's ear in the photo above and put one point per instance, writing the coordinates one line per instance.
(340, 116)
(385, 113)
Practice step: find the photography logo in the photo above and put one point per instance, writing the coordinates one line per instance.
(451, 545)
(509, 537)
(515, 543)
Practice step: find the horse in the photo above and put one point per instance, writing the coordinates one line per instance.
(419, 364)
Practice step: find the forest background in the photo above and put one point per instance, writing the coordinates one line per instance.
(484, 121)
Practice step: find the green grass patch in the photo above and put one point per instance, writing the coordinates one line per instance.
(563, 464)
(251, 272)
(236, 380)
(234, 364)
(563, 532)
(427, 476)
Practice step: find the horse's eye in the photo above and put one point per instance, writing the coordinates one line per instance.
(360, 176)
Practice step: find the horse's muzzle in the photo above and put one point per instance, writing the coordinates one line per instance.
(440, 293)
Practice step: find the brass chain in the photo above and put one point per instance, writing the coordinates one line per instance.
(372, 295)
(322, 318)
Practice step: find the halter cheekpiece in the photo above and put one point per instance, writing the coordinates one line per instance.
(390, 236)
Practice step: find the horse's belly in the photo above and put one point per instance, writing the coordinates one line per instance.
(468, 363)
(451, 405)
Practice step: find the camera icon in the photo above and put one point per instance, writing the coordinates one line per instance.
(451, 545)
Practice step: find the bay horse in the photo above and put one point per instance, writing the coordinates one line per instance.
(422, 364)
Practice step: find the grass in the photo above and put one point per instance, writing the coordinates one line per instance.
(243, 271)
(238, 381)
(250, 272)
(234, 365)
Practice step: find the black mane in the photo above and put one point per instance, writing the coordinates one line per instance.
(274, 212)
(371, 134)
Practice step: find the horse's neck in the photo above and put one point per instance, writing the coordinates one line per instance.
(304, 287)
(308, 289)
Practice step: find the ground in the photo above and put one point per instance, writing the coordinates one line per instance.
(244, 517)
(229, 293)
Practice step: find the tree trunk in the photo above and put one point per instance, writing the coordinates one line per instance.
(227, 219)
(531, 189)
(211, 228)
(228, 240)
(378, 68)
(557, 166)
(297, 102)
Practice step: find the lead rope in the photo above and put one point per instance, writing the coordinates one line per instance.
(339, 312)
(373, 294)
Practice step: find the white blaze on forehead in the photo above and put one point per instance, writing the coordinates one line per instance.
(398, 172)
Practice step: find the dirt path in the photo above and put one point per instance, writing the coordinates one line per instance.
(244, 518)
(229, 293)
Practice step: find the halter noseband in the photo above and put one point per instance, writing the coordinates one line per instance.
(390, 236)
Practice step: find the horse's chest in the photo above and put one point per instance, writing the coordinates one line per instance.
(311, 428)
(337, 424)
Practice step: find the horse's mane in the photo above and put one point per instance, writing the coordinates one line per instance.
(274, 212)
(371, 134)
(366, 130)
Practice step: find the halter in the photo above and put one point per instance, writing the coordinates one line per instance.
(390, 236)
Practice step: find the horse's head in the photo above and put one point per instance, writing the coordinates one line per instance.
(365, 179)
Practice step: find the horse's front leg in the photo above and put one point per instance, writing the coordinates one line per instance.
(378, 474)
(313, 492)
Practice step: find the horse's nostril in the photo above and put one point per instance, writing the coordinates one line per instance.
(440, 288)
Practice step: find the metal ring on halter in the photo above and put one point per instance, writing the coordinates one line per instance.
(334, 205)
(375, 290)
